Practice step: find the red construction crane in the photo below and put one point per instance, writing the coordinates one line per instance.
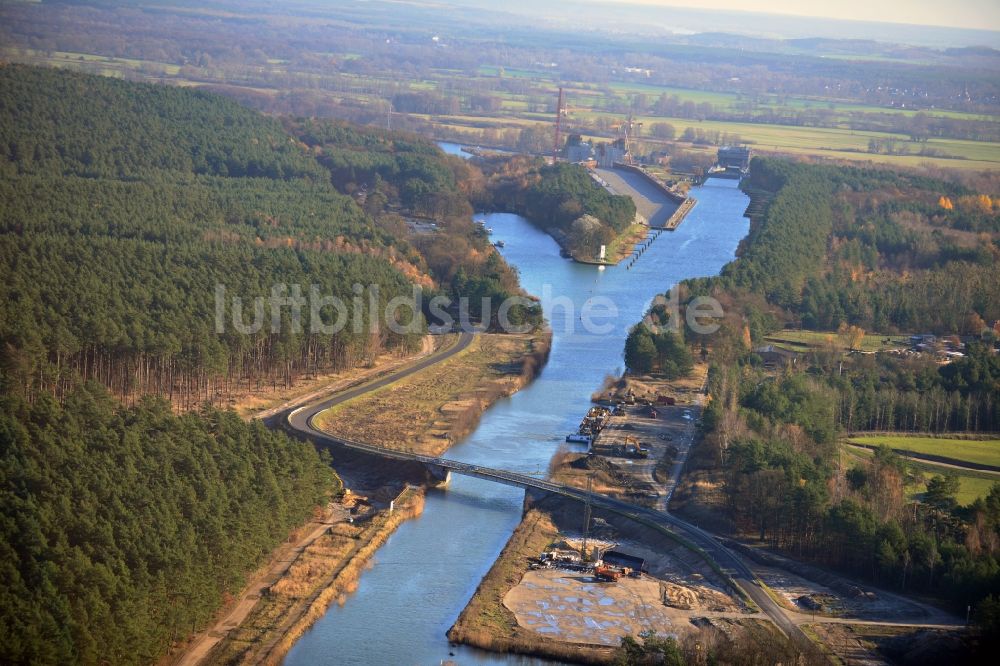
(559, 112)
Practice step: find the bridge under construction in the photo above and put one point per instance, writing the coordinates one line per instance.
(723, 560)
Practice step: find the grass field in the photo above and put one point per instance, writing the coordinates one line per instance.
(982, 451)
(429, 411)
(587, 102)
(972, 485)
(804, 340)
(825, 140)
(829, 143)
(114, 66)
(578, 92)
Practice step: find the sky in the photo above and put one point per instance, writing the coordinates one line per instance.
(976, 14)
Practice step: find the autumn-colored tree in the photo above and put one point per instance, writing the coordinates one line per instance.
(974, 324)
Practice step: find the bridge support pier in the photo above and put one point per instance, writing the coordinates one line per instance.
(533, 496)
(439, 477)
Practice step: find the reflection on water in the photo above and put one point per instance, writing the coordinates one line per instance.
(427, 571)
(453, 149)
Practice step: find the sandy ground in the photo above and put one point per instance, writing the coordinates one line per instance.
(668, 436)
(871, 645)
(281, 560)
(573, 606)
(879, 606)
(851, 648)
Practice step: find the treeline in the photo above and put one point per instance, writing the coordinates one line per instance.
(884, 394)
(141, 318)
(775, 441)
(391, 168)
(124, 530)
(59, 123)
(395, 175)
(562, 199)
(564, 192)
(289, 59)
(651, 348)
(132, 219)
(782, 247)
(127, 205)
(917, 127)
(772, 432)
(872, 248)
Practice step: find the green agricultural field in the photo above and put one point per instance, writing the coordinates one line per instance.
(785, 137)
(972, 485)
(972, 488)
(588, 102)
(588, 99)
(803, 340)
(113, 65)
(578, 93)
(982, 451)
(833, 143)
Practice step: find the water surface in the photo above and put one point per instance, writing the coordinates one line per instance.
(427, 571)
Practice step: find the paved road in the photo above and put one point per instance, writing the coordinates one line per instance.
(300, 419)
(728, 562)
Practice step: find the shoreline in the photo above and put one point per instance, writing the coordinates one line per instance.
(202, 644)
(623, 245)
(270, 644)
(265, 404)
(524, 606)
(432, 410)
(691, 591)
(316, 579)
(487, 624)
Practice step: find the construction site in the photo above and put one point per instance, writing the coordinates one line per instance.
(620, 589)
(574, 580)
(569, 593)
(637, 436)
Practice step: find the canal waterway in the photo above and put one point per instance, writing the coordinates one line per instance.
(428, 570)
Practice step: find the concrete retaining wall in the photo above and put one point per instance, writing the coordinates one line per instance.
(676, 198)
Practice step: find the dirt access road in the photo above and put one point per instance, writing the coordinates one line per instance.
(203, 643)
(285, 556)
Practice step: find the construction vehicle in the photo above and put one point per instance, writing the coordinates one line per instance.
(634, 448)
(606, 574)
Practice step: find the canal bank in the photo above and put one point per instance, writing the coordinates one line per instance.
(428, 570)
